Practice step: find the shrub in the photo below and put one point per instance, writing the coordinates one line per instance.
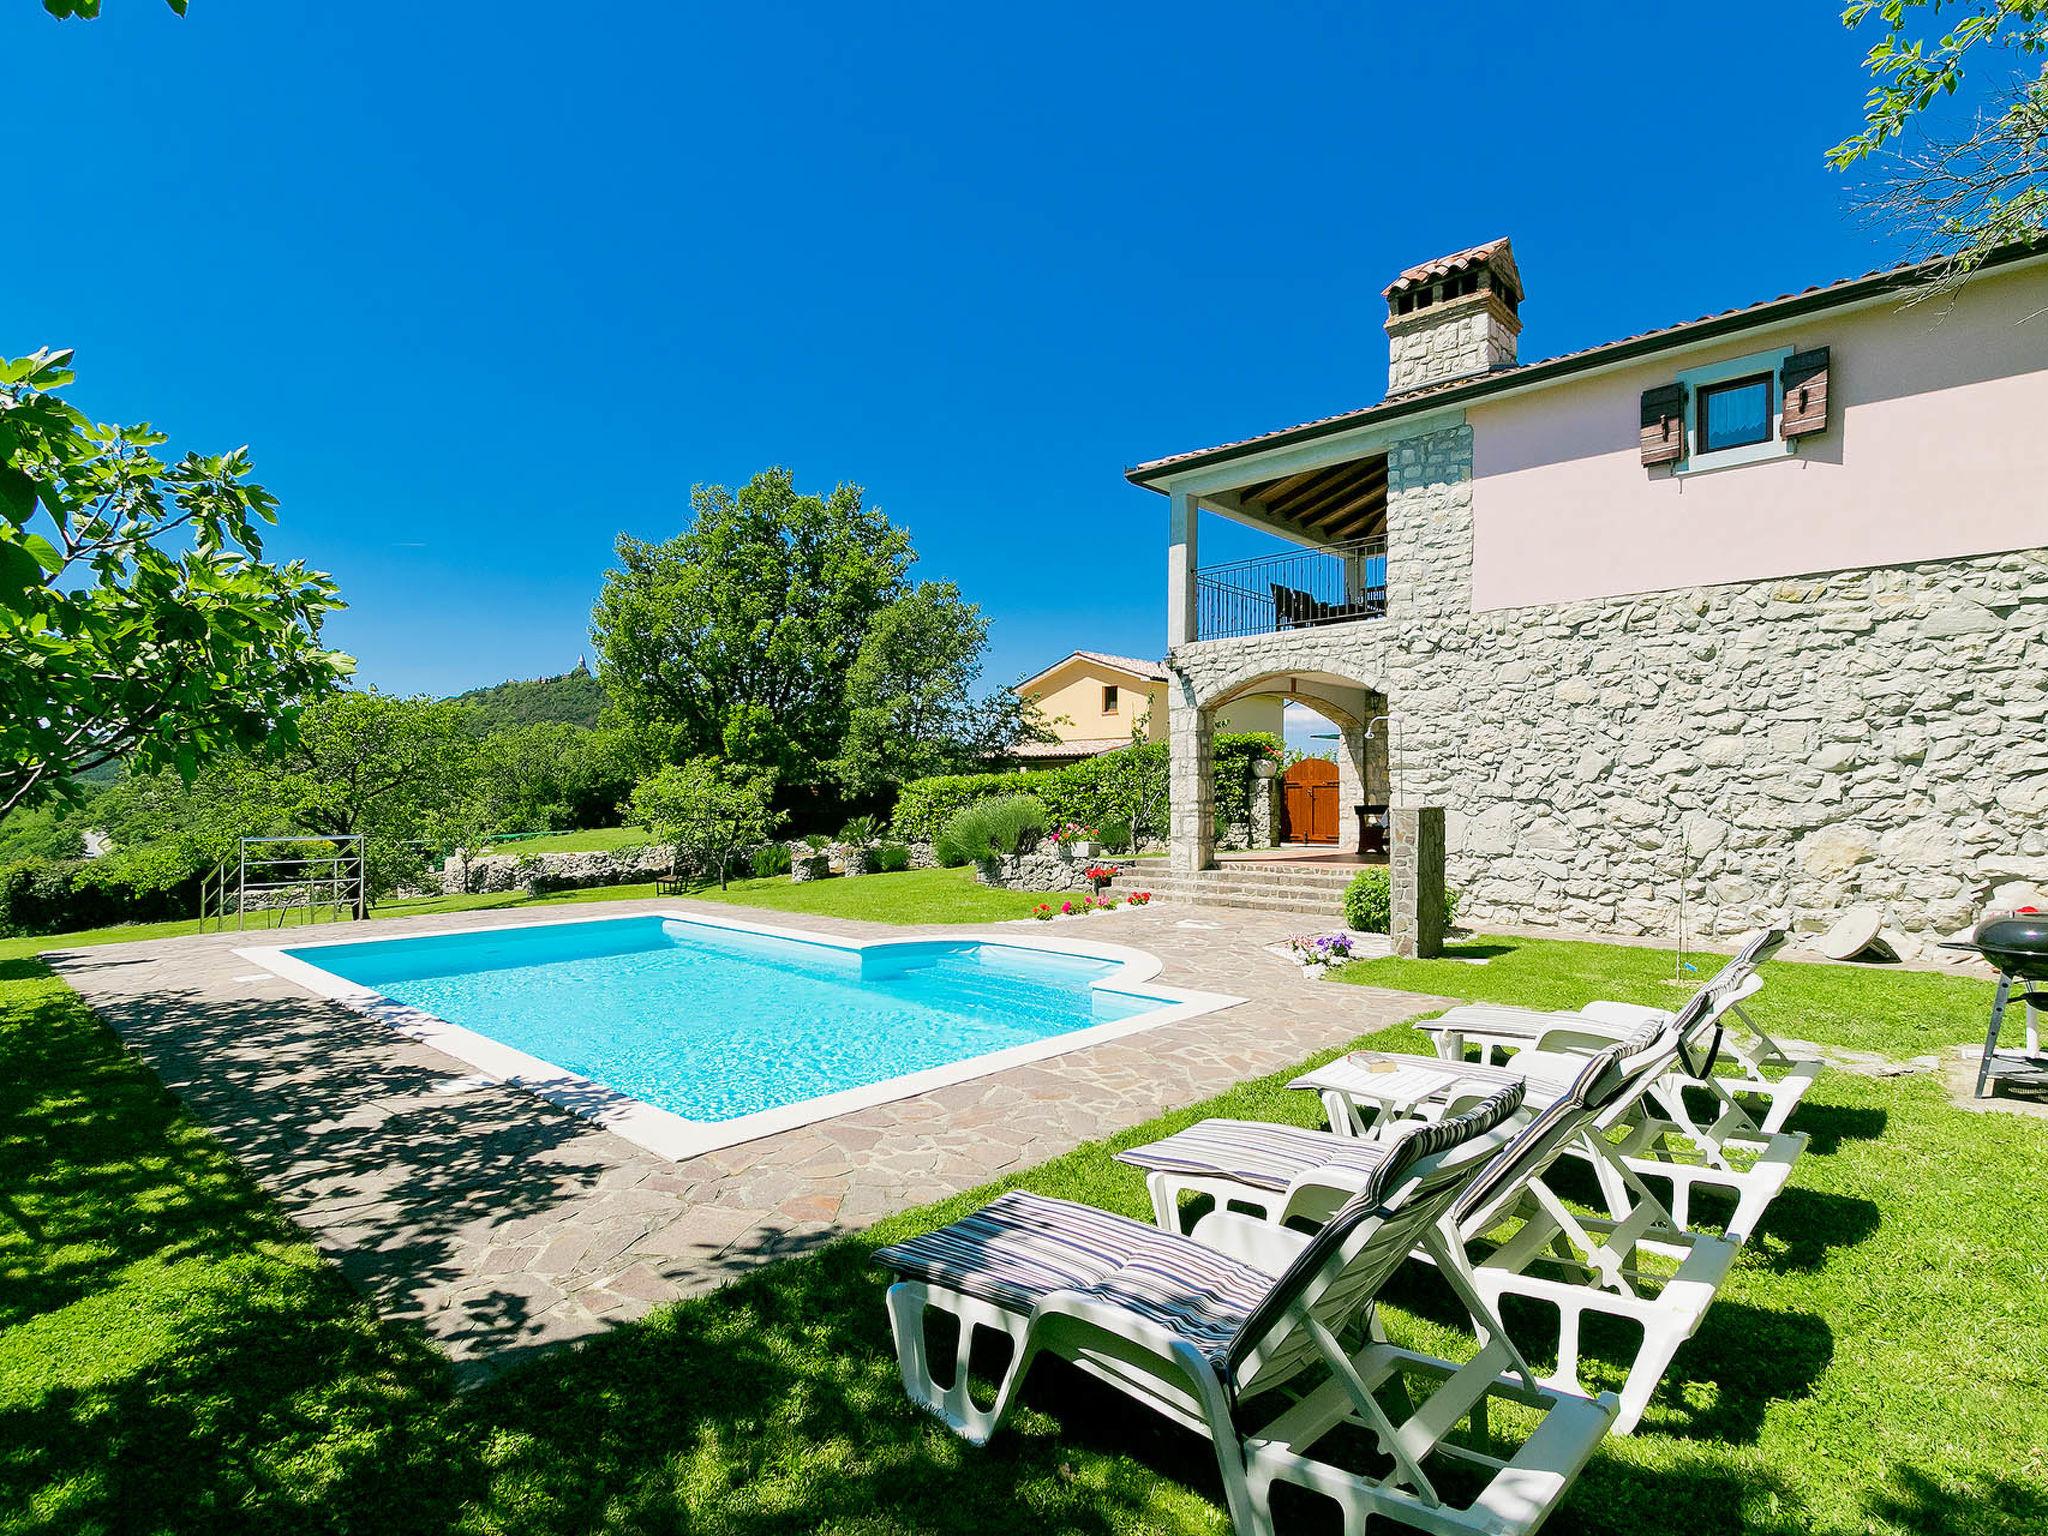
(771, 859)
(861, 832)
(892, 858)
(1115, 833)
(924, 806)
(990, 829)
(1127, 785)
(63, 895)
(1235, 756)
(817, 842)
(1014, 822)
(1368, 901)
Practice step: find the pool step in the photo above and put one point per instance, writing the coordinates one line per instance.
(974, 984)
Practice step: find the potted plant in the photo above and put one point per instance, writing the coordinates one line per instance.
(1073, 839)
(1099, 875)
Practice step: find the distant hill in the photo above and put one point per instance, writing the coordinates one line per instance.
(574, 697)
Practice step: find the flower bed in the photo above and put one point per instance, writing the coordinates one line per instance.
(1317, 952)
(1085, 906)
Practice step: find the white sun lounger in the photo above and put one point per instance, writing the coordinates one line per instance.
(1663, 1139)
(1575, 1264)
(1262, 1339)
(1765, 1071)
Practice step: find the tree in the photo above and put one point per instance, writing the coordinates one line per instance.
(738, 633)
(113, 645)
(1969, 196)
(397, 771)
(575, 698)
(89, 10)
(709, 810)
(783, 630)
(366, 762)
(544, 777)
(911, 711)
(464, 826)
(1132, 781)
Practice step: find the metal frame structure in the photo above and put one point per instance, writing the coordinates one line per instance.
(327, 887)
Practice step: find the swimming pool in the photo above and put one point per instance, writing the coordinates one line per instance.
(687, 1033)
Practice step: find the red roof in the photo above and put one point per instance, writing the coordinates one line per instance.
(1497, 252)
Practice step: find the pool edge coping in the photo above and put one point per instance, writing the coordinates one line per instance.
(675, 1137)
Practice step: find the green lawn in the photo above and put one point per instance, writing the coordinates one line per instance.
(1923, 1011)
(595, 840)
(174, 1358)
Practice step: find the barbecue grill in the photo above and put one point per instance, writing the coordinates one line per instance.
(2018, 946)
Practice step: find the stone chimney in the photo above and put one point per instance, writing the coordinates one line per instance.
(1453, 318)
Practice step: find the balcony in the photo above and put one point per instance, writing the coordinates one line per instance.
(1303, 589)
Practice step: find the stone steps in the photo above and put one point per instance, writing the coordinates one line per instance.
(1312, 892)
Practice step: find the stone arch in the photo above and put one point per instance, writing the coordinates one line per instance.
(1355, 707)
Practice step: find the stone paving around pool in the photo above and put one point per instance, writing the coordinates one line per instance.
(501, 1224)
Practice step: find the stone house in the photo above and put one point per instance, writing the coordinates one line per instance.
(1752, 609)
(1092, 701)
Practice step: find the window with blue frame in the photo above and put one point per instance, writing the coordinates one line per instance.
(1733, 415)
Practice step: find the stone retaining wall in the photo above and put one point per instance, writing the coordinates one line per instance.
(557, 871)
(1048, 867)
(1776, 749)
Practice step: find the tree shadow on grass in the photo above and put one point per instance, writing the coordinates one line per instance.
(98, 1166)
(404, 1175)
(1980, 1504)
(775, 1406)
(246, 1392)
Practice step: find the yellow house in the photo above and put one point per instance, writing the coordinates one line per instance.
(1092, 701)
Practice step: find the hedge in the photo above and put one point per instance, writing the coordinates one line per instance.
(1086, 791)
(148, 885)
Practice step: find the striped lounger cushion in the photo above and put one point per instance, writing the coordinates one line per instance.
(1389, 1075)
(1255, 1153)
(1022, 1247)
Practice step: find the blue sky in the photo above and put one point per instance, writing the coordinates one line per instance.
(483, 284)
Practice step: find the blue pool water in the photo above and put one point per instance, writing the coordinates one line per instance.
(712, 1023)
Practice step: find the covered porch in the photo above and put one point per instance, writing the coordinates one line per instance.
(1334, 517)
(1332, 818)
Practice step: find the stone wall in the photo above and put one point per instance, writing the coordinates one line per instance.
(1048, 867)
(1470, 335)
(807, 863)
(1777, 749)
(558, 871)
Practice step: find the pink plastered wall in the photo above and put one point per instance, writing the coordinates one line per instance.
(1937, 447)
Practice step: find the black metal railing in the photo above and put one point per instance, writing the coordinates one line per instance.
(1335, 584)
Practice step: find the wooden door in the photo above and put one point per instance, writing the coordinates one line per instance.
(1308, 802)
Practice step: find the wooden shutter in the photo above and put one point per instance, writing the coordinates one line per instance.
(1663, 439)
(1805, 381)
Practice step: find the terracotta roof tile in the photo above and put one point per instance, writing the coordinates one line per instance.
(1087, 746)
(1131, 664)
(1457, 261)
